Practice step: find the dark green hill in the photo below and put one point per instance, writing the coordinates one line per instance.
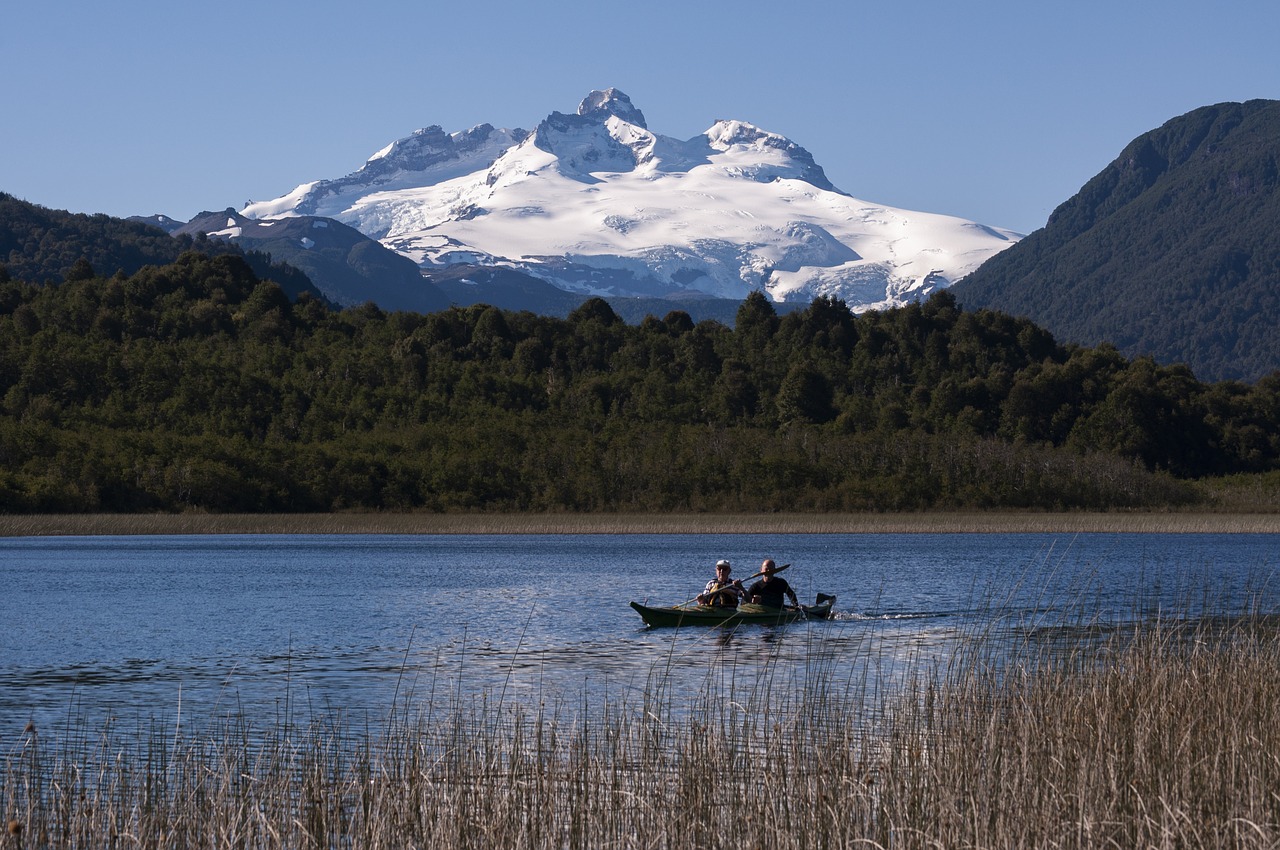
(42, 245)
(1171, 251)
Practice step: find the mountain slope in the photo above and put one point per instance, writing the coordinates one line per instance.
(596, 203)
(346, 266)
(1173, 250)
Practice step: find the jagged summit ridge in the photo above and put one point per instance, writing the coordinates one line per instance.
(612, 102)
(727, 135)
(596, 202)
(427, 155)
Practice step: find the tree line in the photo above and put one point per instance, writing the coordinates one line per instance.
(196, 385)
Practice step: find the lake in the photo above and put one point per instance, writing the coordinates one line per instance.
(157, 629)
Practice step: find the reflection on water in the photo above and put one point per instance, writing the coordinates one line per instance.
(152, 627)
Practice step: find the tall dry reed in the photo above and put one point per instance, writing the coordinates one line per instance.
(1246, 519)
(1158, 737)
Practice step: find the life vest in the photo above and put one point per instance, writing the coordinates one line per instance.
(723, 595)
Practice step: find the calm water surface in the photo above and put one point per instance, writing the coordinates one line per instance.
(142, 628)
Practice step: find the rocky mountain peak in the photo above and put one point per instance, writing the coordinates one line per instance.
(584, 142)
(725, 135)
(611, 101)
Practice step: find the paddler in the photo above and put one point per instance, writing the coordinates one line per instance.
(770, 589)
(721, 591)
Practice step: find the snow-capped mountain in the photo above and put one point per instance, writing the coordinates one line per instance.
(597, 203)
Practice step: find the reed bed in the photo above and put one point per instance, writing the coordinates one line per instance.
(1159, 736)
(993, 522)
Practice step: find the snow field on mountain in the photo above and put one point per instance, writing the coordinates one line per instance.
(734, 209)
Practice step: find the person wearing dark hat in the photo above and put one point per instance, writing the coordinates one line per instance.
(770, 589)
(720, 591)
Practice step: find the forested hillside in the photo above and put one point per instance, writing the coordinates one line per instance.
(1173, 250)
(42, 245)
(196, 386)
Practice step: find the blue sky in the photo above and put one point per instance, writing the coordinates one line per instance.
(996, 111)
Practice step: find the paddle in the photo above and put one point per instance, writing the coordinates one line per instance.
(774, 571)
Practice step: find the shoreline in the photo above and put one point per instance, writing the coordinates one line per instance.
(78, 525)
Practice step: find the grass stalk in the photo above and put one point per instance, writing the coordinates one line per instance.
(1162, 735)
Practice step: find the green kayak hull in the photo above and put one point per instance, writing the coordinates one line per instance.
(707, 615)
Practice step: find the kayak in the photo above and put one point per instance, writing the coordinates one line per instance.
(747, 612)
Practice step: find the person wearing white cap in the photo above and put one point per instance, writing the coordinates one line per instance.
(720, 591)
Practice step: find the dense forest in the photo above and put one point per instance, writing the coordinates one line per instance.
(1171, 251)
(42, 245)
(195, 385)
